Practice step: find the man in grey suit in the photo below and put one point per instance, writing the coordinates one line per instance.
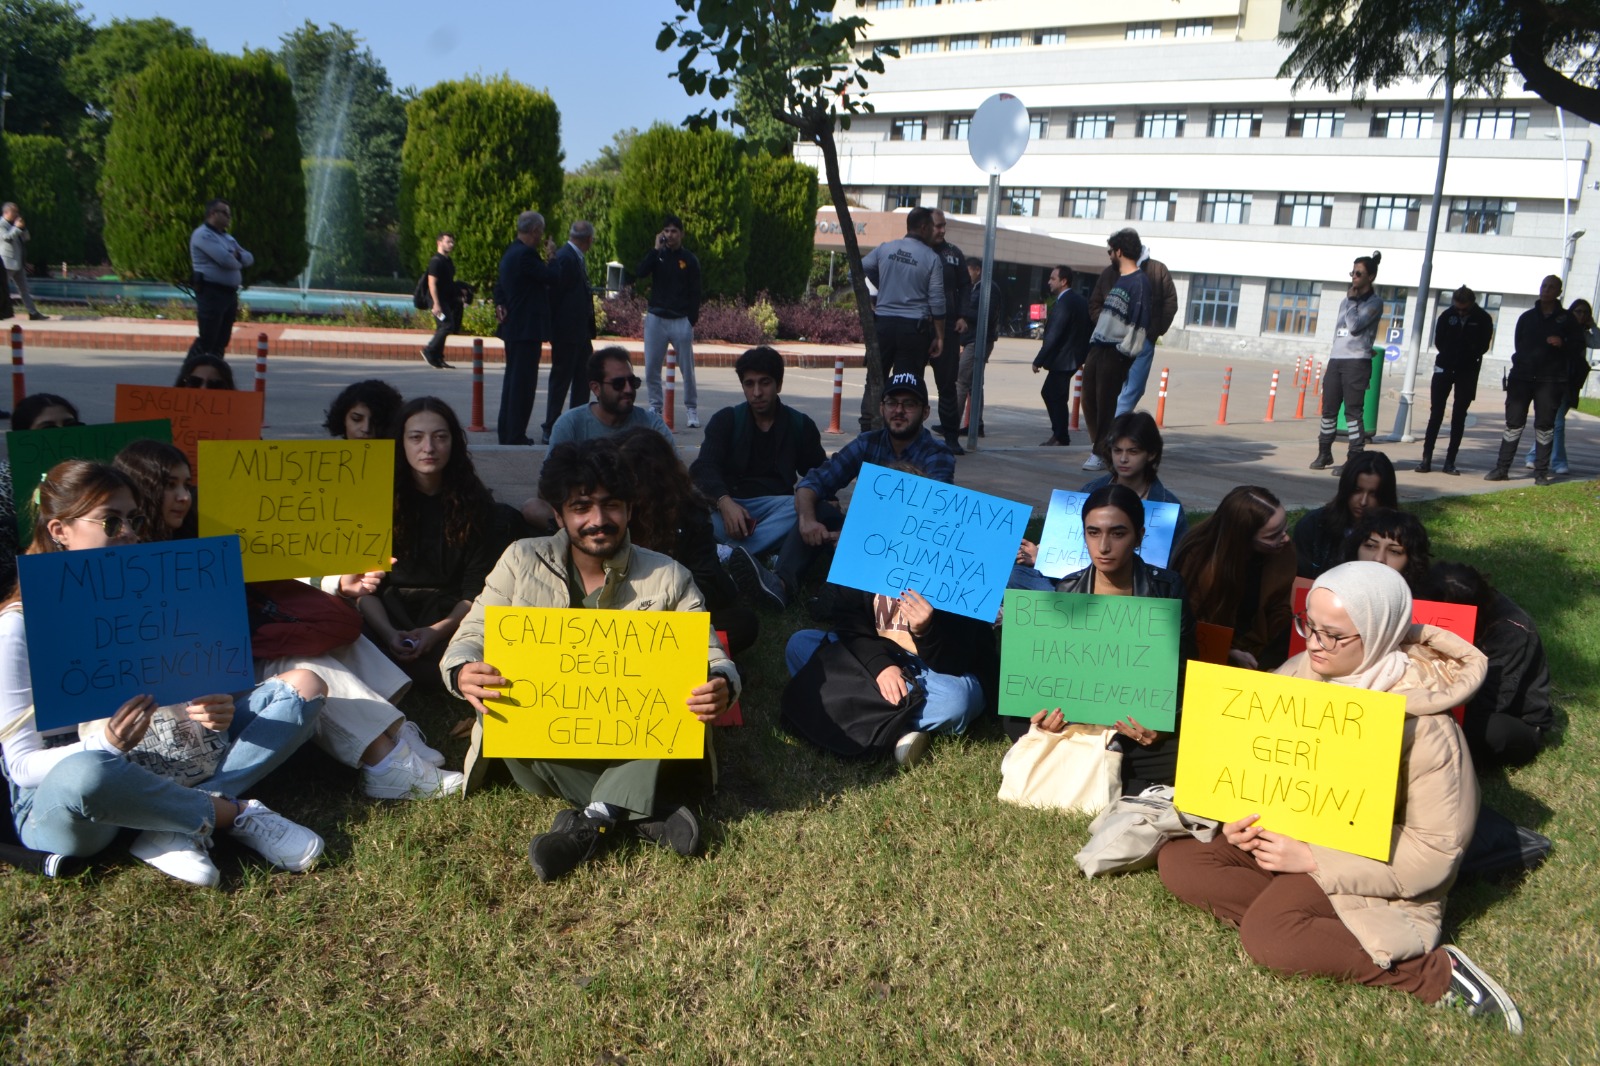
(571, 324)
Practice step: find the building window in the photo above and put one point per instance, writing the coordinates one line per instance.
(1401, 123)
(1050, 37)
(889, 5)
(1481, 216)
(1305, 209)
(901, 196)
(1083, 203)
(1142, 31)
(1489, 301)
(1292, 307)
(923, 46)
(1390, 212)
(964, 44)
(1005, 40)
(1152, 205)
(908, 129)
(1020, 202)
(1394, 311)
(1161, 123)
(1318, 122)
(957, 127)
(1494, 124)
(1038, 127)
(962, 201)
(1225, 208)
(1094, 126)
(1214, 301)
(1193, 28)
(1235, 124)
(924, 3)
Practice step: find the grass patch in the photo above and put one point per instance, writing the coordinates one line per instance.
(844, 913)
(1589, 405)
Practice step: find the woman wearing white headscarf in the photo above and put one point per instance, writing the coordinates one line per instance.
(1304, 908)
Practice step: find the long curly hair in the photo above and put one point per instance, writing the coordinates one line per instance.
(380, 397)
(1214, 555)
(666, 493)
(148, 464)
(468, 503)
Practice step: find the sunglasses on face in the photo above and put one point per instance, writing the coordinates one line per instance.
(112, 523)
(193, 382)
(630, 382)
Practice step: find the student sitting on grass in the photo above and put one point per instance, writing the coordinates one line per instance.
(1367, 481)
(1509, 720)
(1113, 526)
(363, 410)
(42, 410)
(1238, 566)
(1395, 539)
(73, 796)
(359, 724)
(1307, 909)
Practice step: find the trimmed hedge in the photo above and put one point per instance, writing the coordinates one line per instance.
(783, 225)
(590, 197)
(45, 189)
(335, 217)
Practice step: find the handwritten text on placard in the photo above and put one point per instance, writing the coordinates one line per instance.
(1062, 550)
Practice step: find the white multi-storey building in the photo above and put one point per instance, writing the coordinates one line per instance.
(1169, 116)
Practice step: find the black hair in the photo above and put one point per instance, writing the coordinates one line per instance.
(1127, 242)
(918, 217)
(1459, 583)
(468, 504)
(667, 498)
(760, 360)
(1368, 462)
(35, 405)
(670, 219)
(1371, 263)
(596, 368)
(1463, 293)
(212, 205)
(1122, 498)
(198, 359)
(583, 466)
(380, 397)
(1399, 526)
(1140, 428)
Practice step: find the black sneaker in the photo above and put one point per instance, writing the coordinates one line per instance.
(756, 583)
(954, 444)
(1450, 468)
(1499, 473)
(679, 831)
(574, 838)
(435, 361)
(1425, 467)
(1477, 993)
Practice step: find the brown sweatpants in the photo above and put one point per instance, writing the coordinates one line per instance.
(1285, 921)
(1105, 371)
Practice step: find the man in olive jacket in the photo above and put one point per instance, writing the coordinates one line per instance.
(1163, 310)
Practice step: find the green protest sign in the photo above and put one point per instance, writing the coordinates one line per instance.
(34, 451)
(1098, 658)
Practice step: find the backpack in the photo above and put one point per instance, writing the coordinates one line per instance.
(834, 703)
(421, 297)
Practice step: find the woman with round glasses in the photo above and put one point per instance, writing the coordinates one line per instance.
(1239, 567)
(1307, 909)
(74, 789)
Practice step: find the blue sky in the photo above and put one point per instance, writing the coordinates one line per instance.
(597, 58)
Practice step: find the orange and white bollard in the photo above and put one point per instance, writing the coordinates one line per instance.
(1272, 397)
(19, 387)
(1077, 399)
(1161, 399)
(1222, 409)
(261, 362)
(672, 389)
(476, 425)
(1300, 406)
(1295, 383)
(838, 393)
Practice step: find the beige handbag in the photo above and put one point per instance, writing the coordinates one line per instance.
(1073, 770)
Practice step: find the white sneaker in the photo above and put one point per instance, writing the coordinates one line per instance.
(694, 418)
(286, 845)
(1094, 462)
(412, 735)
(177, 855)
(909, 749)
(408, 777)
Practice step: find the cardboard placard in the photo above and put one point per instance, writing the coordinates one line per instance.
(1318, 761)
(196, 414)
(301, 508)
(1098, 658)
(953, 545)
(1062, 550)
(590, 684)
(107, 624)
(1459, 618)
(1213, 642)
(33, 452)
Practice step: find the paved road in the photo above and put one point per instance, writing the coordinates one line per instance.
(1203, 460)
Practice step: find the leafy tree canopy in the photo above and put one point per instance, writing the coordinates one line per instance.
(609, 161)
(114, 52)
(37, 39)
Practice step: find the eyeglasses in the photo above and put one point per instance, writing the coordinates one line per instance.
(632, 381)
(112, 523)
(195, 382)
(1328, 642)
(1358, 273)
(902, 405)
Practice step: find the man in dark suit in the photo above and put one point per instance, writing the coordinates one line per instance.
(571, 324)
(522, 304)
(1066, 341)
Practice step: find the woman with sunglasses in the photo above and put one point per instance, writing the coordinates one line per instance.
(1113, 526)
(1307, 909)
(202, 371)
(1239, 568)
(73, 796)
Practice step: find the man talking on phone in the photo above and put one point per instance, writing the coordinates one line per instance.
(674, 308)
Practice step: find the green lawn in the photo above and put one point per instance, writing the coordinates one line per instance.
(844, 914)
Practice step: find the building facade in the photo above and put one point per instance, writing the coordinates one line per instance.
(1169, 116)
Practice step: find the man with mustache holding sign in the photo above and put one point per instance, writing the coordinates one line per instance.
(591, 563)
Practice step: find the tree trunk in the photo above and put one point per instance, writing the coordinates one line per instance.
(822, 137)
